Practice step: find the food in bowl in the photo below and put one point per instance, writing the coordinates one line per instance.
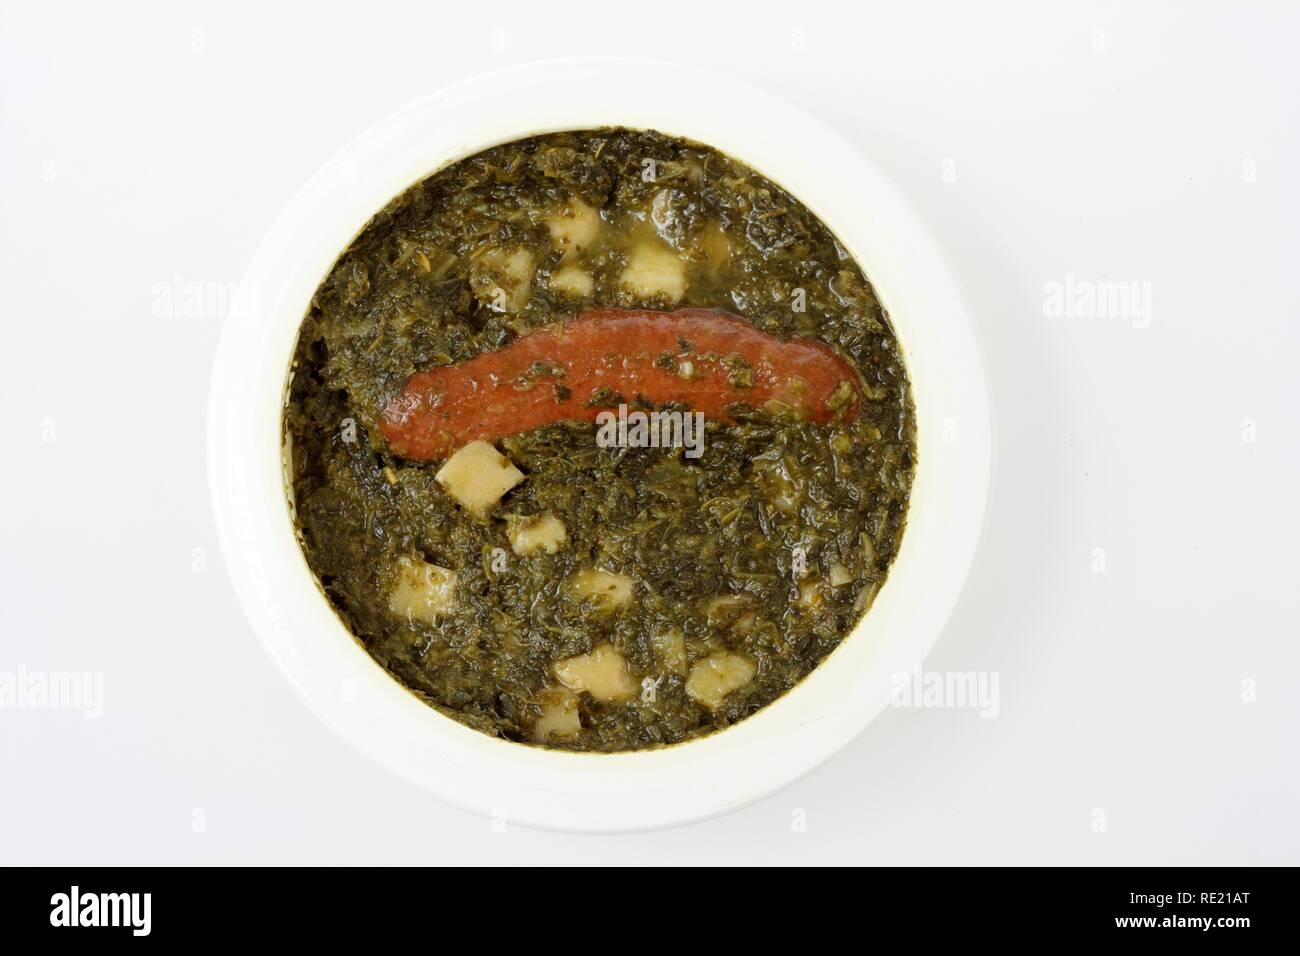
(598, 440)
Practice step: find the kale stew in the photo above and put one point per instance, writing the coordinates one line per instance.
(598, 440)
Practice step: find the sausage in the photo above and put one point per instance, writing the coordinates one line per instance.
(707, 360)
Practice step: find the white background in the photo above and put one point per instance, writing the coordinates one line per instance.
(1149, 713)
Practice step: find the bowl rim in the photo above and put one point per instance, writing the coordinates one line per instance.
(555, 789)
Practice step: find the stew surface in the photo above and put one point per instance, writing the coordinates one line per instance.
(598, 440)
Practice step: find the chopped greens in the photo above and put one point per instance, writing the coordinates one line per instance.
(545, 589)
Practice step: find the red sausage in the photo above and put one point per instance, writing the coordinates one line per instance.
(705, 359)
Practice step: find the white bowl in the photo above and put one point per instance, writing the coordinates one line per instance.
(576, 791)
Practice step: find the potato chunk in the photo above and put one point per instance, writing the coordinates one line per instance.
(606, 588)
(783, 489)
(574, 228)
(502, 278)
(603, 674)
(559, 717)
(670, 646)
(422, 591)
(840, 575)
(810, 595)
(536, 533)
(477, 476)
(654, 271)
(717, 248)
(713, 678)
(572, 281)
(725, 610)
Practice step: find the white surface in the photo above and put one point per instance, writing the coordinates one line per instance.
(1120, 691)
(605, 793)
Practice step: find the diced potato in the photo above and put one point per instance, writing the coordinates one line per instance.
(782, 489)
(670, 645)
(575, 227)
(866, 596)
(559, 717)
(840, 575)
(477, 476)
(654, 271)
(724, 610)
(536, 533)
(606, 588)
(810, 595)
(503, 278)
(572, 281)
(717, 248)
(422, 591)
(603, 674)
(713, 678)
